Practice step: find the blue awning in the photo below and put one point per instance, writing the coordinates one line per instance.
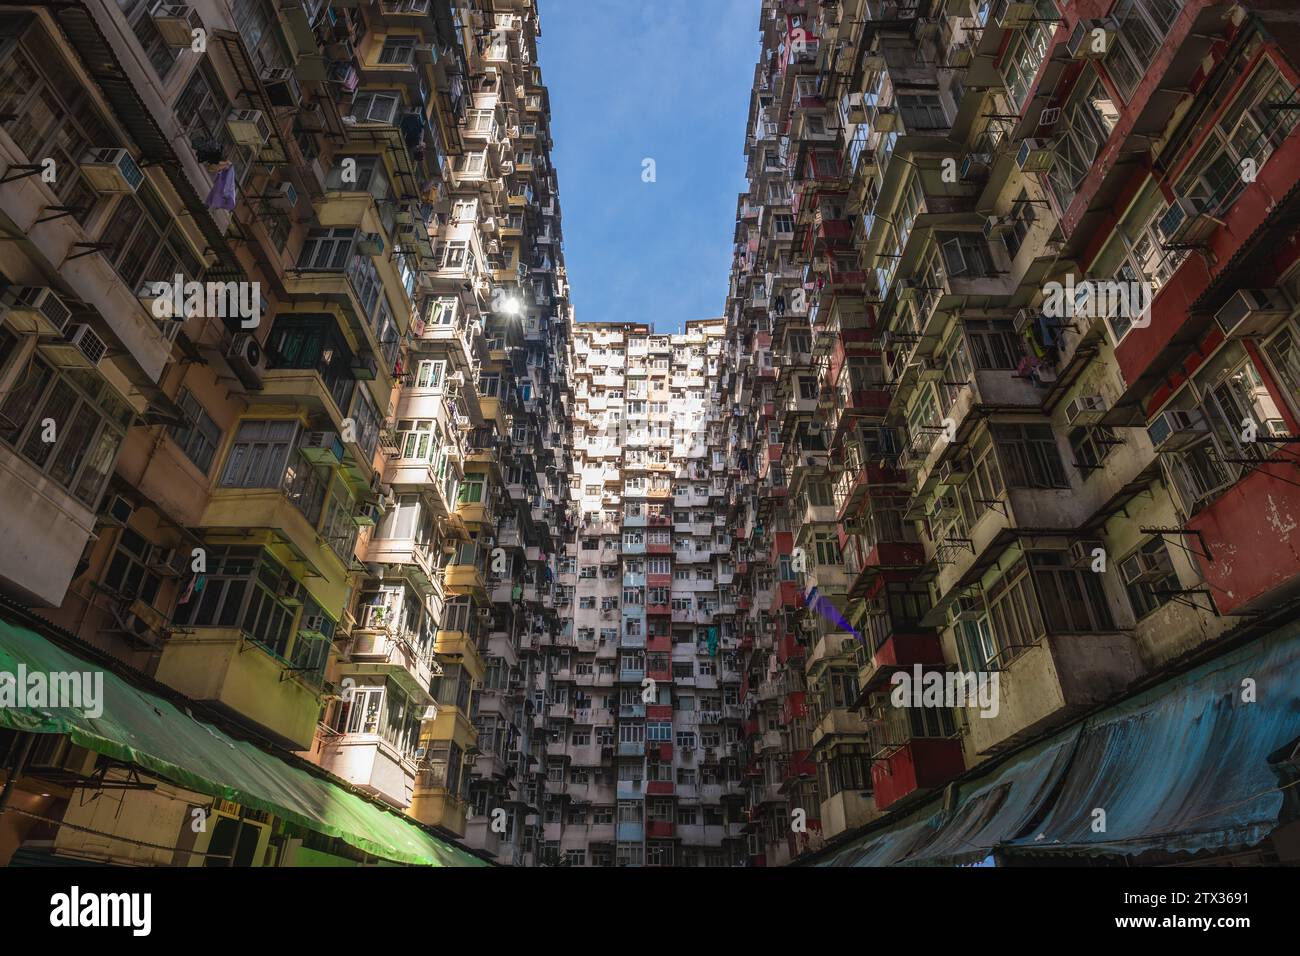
(1183, 766)
(994, 808)
(887, 846)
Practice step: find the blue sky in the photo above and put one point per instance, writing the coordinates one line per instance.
(668, 81)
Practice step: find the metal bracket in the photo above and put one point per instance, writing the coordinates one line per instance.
(1183, 532)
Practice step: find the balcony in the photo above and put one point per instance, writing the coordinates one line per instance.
(370, 763)
(379, 650)
(896, 647)
(1264, 566)
(1054, 679)
(250, 682)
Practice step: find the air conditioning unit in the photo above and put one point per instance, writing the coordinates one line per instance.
(507, 167)
(955, 471)
(975, 165)
(289, 594)
(118, 511)
(365, 367)
(923, 28)
(456, 378)
(314, 624)
(1176, 429)
(857, 108)
(1035, 156)
(176, 24)
(959, 56)
(81, 347)
(367, 514)
(34, 310)
(997, 226)
(885, 119)
(1185, 221)
(1025, 319)
(282, 87)
(463, 423)
(1252, 312)
(245, 359)
(1084, 410)
(111, 171)
(967, 607)
(1049, 116)
(322, 448)
(249, 128)
(370, 244)
(1083, 44)
(283, 196)
(57, 752)
(172, 562)
(1017, 15)
(942, 504)
(1081, 552)
(1143, 568)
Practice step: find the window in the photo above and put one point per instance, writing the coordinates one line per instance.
(49, 113)
(1022, 219)
(1142, 27)
(247, 589)
(259, 454)
(416, 440)
(1091, 444)
(139, 14)
(1072, 599)
(1151, 560)
(370, 177)
(376, 107)
(965, 254)
(1029, 457)
(143, 240)
(976, 647)
(1027, 50)
(128, 574)
(398, 50)
(90, 419)
(314, 343)
(849, 768)
(429, 374)
(1249, 128)
(326, 250)
(1086, 123)
(197, 435)
(922, 111)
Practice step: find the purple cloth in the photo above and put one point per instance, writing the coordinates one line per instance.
(222, 195)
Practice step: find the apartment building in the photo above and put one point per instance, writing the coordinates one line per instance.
(1008, 361)
(282, 367)
(644, 766)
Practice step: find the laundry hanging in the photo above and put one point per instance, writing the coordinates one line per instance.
(222, 195)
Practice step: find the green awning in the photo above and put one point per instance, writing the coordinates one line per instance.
(145, 730)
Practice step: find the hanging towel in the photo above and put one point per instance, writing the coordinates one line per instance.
(222, 195)
(713, 642)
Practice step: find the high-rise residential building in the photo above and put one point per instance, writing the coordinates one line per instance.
(643, 715)
(282, 378)
(966, 534)
(1009, 358)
